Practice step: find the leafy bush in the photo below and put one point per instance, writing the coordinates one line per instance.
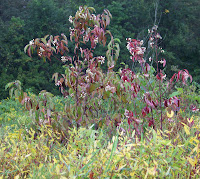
(130, 123)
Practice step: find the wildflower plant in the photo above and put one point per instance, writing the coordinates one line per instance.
(143, 96)
(116, 124)
(83, 80)
(155, 91)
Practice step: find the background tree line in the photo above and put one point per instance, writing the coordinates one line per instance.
(24, 20)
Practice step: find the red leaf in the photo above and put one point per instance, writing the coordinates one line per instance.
(164, 62)
(150, 123)
(29, 52)
(107, 20)
(186, 71)
(91, 175)
(137, 121)
(143, 112)
(172, 78)
(129, 121)
(147, 67)
(166, 103)
(158, 76)
(147, 110)
(125, 78)
(178, 75)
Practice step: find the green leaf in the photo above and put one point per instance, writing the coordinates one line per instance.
(25, 48)
(16, 92)
(118, 40)
(93, 159)
(11, 92)
(92, 87)
(53, 49)
(55, 76)
(44, 59)
(174, 152)
(79, 110)
(180, 89)
(45, 37)
(92, 9)
(44, 40)
(108, 32)
(112, 152)
(176, 93)
(8, 85)
(106, 94)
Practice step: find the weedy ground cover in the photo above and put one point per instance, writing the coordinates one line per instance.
(89, 154)
(130, 123)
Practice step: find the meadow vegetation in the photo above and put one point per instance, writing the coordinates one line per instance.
(130, 123)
